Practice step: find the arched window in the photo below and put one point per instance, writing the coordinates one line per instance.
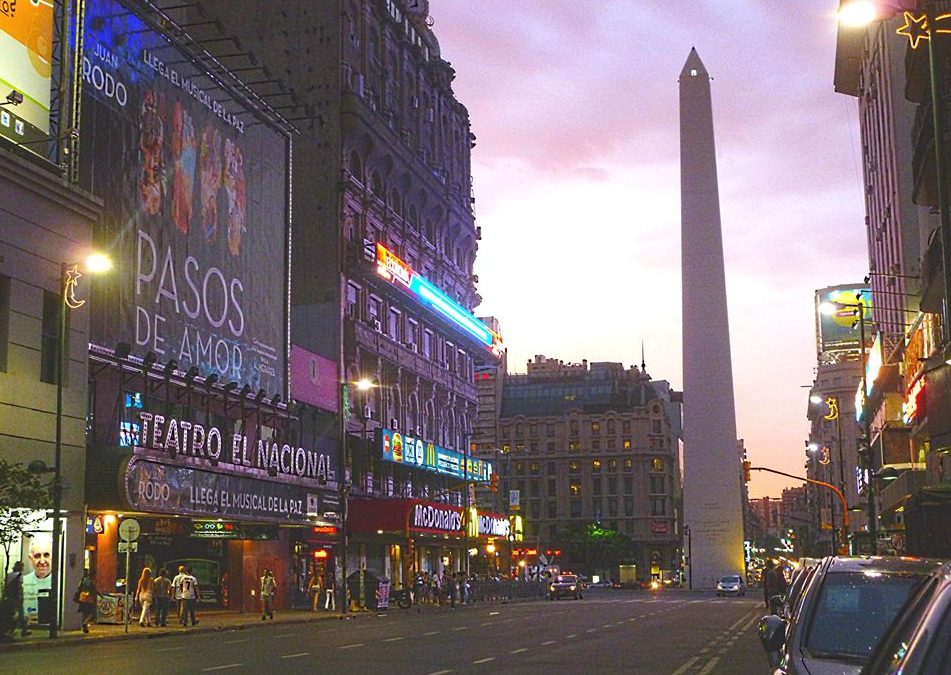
(356, 167)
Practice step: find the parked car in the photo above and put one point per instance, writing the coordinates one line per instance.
(567, 585)
(731, 584)
(841, 613)
(919, 640)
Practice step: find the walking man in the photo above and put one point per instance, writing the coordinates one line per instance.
(13, 591)
(190, 597)
(330, 594)
(774, 583)
(268, 589)
(161, 590)
(177, 591)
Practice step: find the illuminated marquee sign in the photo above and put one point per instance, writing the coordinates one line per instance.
(425, 455)
(390, 267)
(913, 408)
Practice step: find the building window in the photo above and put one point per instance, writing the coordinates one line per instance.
(533, 447)
(629, 528)
(428, 344)
(374, 308)
(533, 486)
(628, 506)
(657, 485)
(519, 447)
(612, 508)
(611, 444)
(612, 466)
(551, 487)
(393, 324)
(353, 300)
(655, 427)
(550, 446)
(628, 464)
(627, 443)
(574, 427)
(533, 468)
(574, 446)
(533, 430)
(519, 468)
(595, 428)
(610, 427)
(626, 427)
(597, 507)
(552, 509)
(658, 506)
(574, 489)
(575, 508)
(628, 485)
(612, 485)
(536, 510)
(412, 332)
(657, 463)
(551, 468)
(595, 443)
(519, 430)
(596, 466)
(596, 486)
(506, 448)
(49, 346)
(574, 466)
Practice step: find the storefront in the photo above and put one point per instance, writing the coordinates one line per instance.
(396, 538)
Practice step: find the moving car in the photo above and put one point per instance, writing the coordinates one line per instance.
(567, 585)
(841, 614)
(731, 584)
(919, 640)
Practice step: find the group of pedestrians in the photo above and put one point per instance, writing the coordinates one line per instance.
(323, 592)
(160, 591)
(440, 589)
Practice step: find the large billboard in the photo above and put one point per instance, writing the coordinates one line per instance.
(26, 50)
(426, 455)
(837, 315)
(196, 216)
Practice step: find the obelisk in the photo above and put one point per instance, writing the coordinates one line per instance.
(712, 472)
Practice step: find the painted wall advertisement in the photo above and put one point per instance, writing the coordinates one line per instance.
(26, 51)
(426, 455)
(196, 207)
(313, 379)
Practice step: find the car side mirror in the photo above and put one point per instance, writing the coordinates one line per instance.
(772, 633)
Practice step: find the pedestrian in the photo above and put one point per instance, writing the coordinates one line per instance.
(143, 596)
(316, 587)
(86, 596)
(268, 590)
(161, 593)
(330, 596)
(13, 593)
(774, 582)
(190, 597)
(177, 591)
(449, 588)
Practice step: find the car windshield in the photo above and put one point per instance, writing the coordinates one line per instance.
(567, 579)
(853, 610)
(730, 580)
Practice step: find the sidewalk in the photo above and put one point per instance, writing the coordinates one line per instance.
(209, 621)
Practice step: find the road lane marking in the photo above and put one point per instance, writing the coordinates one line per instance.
(440, 672)
(295, 656)
(605, 625)
(394, 639)
(519, 651)
(461, 628)
(485, 660)
(284, 635)
(591, 630)
(710, 665)
(548, 642)
(358, 644)
(494, 613)
(170, 649)
(234, 642)
(230, 665)
(573, 635)
(687, 666)
(432, 632)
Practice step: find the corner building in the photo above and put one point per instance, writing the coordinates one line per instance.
(597, 444)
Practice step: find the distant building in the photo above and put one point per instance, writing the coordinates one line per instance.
(592, 443)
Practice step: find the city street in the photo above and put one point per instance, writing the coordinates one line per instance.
(610, 631)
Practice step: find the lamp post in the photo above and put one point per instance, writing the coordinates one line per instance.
(832, 414)
(68, 280)
(689, 558)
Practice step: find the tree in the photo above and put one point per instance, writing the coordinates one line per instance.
(22, 496)
(595, 548)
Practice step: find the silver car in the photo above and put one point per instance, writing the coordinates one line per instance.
(731, 584)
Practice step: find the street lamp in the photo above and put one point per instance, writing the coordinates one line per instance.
(918, 27)
(832, 413)
(859, 308)
(70, 274)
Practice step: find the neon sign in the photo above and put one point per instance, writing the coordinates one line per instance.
(914, 405)
(916, 28)
(393, 269)
(428, 456)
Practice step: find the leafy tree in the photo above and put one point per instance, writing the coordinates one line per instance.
(593, 547)
(22, 496)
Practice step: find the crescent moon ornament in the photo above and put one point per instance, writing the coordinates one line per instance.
(69, 288)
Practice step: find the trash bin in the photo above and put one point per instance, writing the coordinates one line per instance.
(110, 608)
(363, 585)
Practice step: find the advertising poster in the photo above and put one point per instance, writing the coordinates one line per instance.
(313, 379)
(426, 455)
(35, 550)
(26, 50)
(196, 219)
(838, 331)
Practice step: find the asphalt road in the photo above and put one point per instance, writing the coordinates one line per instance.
(609, 631)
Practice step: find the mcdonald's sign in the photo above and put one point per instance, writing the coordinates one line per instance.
(426, 455)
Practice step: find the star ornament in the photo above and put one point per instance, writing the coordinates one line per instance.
(72, 278)
(915, 29)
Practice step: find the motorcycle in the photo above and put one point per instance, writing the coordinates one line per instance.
(403, 597)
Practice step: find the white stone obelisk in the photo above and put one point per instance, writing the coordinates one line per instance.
(712, 472)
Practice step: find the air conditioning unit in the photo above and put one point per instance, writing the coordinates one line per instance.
(367, 413)
(414, 347)
(419, 431)
(358, 84)
(430, 115)
(377, 325)
(413, 102)
(394, 424)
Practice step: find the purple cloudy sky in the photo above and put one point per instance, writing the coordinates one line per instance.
(577, 185)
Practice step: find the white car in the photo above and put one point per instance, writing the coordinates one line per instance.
(731, 584)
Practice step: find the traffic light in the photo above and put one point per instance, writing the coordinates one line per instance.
(494, 482)
(746, 470)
